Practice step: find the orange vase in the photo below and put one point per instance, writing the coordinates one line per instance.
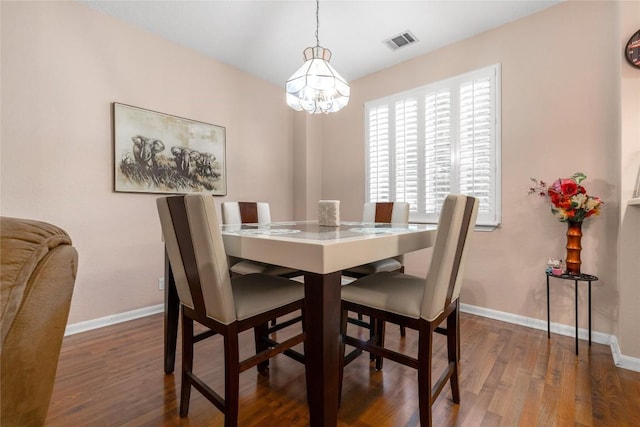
(574, 237)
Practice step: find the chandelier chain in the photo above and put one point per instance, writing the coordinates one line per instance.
(317, 21)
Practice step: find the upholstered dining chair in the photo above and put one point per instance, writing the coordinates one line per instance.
(388, 213)
(224, 305)
(252, 213)
(420, 304)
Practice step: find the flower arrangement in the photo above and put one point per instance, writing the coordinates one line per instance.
(569, 200)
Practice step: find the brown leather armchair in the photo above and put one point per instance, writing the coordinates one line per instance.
(38, 271)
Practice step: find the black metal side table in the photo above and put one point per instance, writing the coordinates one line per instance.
(576, 278)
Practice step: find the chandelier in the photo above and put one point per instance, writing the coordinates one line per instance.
(316, 87)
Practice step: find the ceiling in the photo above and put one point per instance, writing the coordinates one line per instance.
(266, 38)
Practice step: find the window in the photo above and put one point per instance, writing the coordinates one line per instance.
(434, 140)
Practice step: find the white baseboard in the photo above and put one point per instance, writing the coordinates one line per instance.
(101, 322)
(619, 359)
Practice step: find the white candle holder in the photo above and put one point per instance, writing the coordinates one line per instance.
(329, 213)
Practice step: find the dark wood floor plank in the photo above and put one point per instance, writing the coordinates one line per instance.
(583, 395)
(510, 376)
(631, 388)
(533, 400)
(521, 408)
(566, 414)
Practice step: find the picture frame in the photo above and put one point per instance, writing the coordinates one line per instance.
(632, 50)
(160, 153)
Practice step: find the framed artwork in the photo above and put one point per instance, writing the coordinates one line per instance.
(161, 153)
(632, 50)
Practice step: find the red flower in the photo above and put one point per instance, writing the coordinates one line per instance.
(568, 186)
(564, 203)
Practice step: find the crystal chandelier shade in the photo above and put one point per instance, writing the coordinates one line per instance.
(316, 87)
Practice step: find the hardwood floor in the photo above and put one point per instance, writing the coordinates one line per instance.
(510, 376)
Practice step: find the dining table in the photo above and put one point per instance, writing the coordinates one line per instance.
(321, 253)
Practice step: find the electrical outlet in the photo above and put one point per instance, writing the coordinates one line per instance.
(161, 284)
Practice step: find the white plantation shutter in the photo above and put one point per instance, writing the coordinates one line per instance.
(406, 152)
(443, 138)
(438, 152)
(379, 166)
(477, 164)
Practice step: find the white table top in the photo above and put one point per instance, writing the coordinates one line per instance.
(307, 246)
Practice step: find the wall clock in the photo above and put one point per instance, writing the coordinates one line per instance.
(632, 50)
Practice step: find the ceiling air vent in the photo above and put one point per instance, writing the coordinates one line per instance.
(401, 40)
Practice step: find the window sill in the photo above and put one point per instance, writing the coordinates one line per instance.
(483, 227)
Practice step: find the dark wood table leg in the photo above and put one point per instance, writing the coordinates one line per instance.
(171, 315)
(322, 346)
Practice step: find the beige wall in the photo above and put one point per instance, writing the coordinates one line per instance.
(560, 103)
(63, 65)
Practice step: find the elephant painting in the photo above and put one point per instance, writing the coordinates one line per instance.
(184, 170)
(160, 153)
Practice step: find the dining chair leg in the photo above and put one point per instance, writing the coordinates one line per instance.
(458, 330)
(232, 378)
(171, 317)
(260, 333)
(425, 351)
(380, 333)
(403, 330)
(453, 352)
(373, 330)
(187, 364)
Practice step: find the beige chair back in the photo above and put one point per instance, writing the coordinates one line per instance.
(387, 212)
(444, 278)
(245, 213)
(196, 252)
